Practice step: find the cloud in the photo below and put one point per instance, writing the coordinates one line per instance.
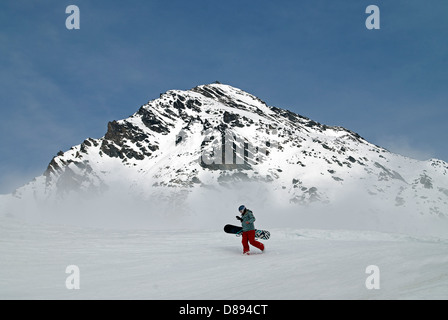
(12, 177)
(404, 146)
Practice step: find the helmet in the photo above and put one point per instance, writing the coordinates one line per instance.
(242, 208)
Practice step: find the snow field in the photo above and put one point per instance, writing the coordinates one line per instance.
(189, 264)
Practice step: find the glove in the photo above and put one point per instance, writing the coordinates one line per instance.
(239, 218)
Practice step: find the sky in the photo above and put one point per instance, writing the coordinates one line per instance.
(316, 58)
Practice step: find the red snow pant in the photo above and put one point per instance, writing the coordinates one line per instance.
(249, 237)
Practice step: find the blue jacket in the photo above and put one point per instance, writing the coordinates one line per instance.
(248, 217)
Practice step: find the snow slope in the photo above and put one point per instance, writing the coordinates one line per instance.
(208, 264)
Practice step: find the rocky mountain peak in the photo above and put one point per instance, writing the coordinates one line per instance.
(215, 135)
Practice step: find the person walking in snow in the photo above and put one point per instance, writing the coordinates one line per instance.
(247, 222)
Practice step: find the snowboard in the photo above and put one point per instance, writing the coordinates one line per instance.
(259, 234)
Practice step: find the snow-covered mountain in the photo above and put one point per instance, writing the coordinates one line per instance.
(186, 161)
(216, 139)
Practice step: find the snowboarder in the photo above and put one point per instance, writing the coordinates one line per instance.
(247, 222)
